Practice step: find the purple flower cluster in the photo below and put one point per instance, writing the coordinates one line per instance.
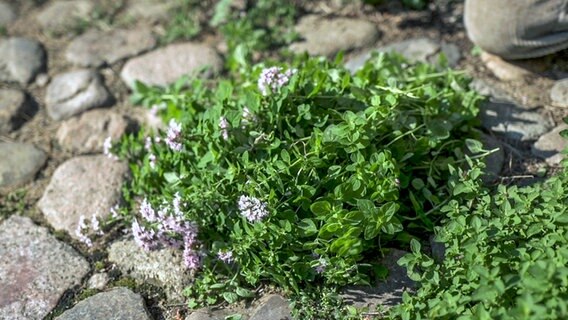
(173, 135)
(274, 78)
(321, 266)
(252, 208)
(225, 256)
(85, 229)
(224, 126)
(169, 229)
(107, 146)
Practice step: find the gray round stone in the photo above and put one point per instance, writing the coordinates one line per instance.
(95, 48)
(19, 163)
(163, 268)
(148, 10)
(73, 92)
(35, 269)
(166, 65)
(21, 59)
(550, 145)
(559, 93)
(118, 303)
(326, 37)
(83, 186)
(63, 15)
(15, 109)
(7, 14)
(87, 132)
(514, 122)
(272, 306)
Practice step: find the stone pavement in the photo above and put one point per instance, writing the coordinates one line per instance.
(83, 98)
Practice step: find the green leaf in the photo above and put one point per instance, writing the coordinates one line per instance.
(230, 297)
(320, 208)
(245, 293)
(308, 227)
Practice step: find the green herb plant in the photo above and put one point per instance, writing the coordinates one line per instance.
(297, 175)
(506, 257)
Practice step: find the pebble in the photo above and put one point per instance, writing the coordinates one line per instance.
(514, 122)
(35, 269)
(73, 92)
(385, 294)
(63, 15)
(83, 186)
(550, 145)
(504, 70)
(163, 267)
(559, 93)
(15, 109)
(326, 37)
(21, 59)
(272, 307)
(118, 303)
(98, 281)
(96, 48)
(87, 132)
(166, 65)
(414, 50)
(148, 10)
(7, 14)
(19, 163)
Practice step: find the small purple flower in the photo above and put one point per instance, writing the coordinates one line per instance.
(147, 212)
(143, 237)
(148, 143)
(173, 136)
(176, 204)
(152, 160)
(252, 208)
(191, 258)
(107, 146)
(224, 126)
(273, 78)
(81, 232)
(225, 256)
(96, 226)
(321, 266)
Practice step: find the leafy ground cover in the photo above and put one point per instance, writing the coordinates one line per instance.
(297, 175)
(505, 258)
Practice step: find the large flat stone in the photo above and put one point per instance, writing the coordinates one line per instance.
(95, 48)
(272, 307)
(82, 186)
(35, 270)
(62, 15)
(15, 109)
(414, 50)
(21, 59)
(87, 132)
(550, 145)
(19, 163)
(7, 14)
(118, 303)
(326, 37)
(148, 10)
(559, 93)
(386, 294)
(166, 65)
(163, 268)
(73, 92)
(514, 122)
